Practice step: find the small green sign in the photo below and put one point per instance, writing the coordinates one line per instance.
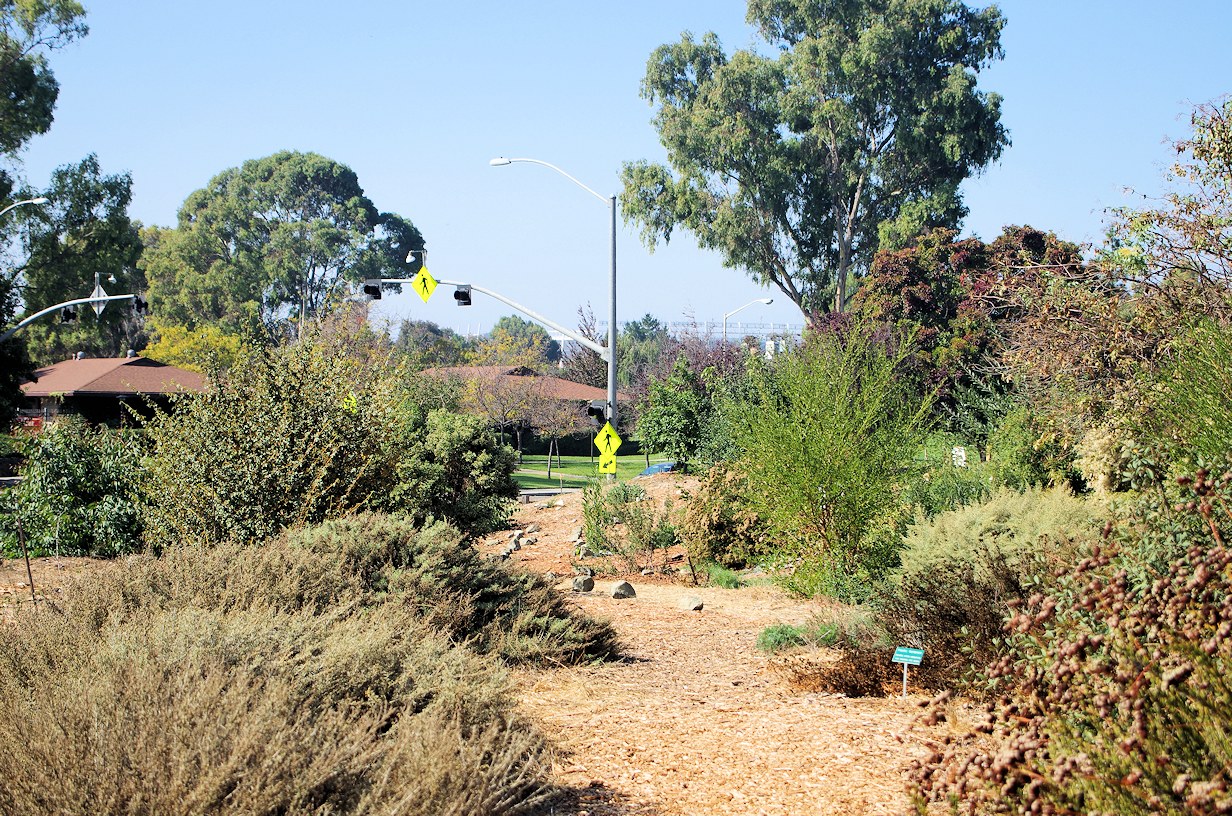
(909, 657)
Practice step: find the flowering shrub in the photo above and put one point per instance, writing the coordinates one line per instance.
(1116, 693)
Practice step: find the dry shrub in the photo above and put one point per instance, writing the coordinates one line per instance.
(718, 525)
(1116, 695)
(202, 711)
(350, 668)
(853, 671)
(365, 559)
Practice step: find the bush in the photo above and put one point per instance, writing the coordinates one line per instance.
(1025, 451)
(1116, 696)
(333, 669)
(717, 524)
(622, 520)
(962, 570)
(828, 438)
(303, 433)
(79, 494)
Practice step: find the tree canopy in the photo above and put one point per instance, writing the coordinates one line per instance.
(28, 89)
(856, 134)
(274, 242)
(84, 231)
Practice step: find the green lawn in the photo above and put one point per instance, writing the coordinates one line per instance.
(575, 470)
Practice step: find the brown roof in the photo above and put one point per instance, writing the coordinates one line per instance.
(554, 387)
(112, 375)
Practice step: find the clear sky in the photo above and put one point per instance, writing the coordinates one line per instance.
(416, 97)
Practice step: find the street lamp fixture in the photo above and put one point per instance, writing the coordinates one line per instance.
(39, 200)
(764, 301)
(501, 161)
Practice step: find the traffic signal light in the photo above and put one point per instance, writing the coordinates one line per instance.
(68, 314)
(463, 295)
(372, 288)
(141, 305)
(597, 411)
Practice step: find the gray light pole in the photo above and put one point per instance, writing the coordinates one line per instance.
(766, 301)
(612, 413)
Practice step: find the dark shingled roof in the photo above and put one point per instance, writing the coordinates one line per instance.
(112, 375)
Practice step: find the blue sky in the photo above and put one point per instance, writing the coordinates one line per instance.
(416, 97)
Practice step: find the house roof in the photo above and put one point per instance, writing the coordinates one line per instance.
(553, 387)
(112, 376)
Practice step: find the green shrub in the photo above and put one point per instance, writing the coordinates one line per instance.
(79, 494)
(1185, 401)
(1025, 451)
(1116, 696)
(303, 433)
(961, 571)
(828, 438)
(780, 636)
(720, 575)
(621, 520)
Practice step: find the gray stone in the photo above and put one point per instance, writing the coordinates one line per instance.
(534, 528)
(583, 571)
(550, 576)
(691, 603)
(623, 590)
(583, 583)
(529, 540)
(577, 535)
(509, 550)
(648, 571)
(586, 552)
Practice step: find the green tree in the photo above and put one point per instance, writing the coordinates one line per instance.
(673, 418)
(639, 346)
(273, 243)
(201, 349)
(514, 341)
(82, 234)
(857, 134)
(28, 89)
(424, 344)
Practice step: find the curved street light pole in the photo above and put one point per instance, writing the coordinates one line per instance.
(765, 301)
(39, 200)
(613, 415)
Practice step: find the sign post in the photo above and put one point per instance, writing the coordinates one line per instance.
(908, 657)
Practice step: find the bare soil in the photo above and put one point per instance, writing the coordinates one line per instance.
(694, 719)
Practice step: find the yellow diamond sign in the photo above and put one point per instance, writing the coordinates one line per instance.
(607, 464)
(424, 284)
(607, 441)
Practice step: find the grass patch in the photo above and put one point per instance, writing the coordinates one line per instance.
(720, 575)
(583, 467)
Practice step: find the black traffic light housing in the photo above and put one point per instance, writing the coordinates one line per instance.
(68, 314)
(141, 305)
(372, 288)
(597, 411)
(463, 295)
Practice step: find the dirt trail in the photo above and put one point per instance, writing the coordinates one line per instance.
(695, 720)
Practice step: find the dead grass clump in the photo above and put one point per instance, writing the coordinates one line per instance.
(852, 671)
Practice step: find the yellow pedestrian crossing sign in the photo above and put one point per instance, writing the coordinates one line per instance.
(607, 464)
(424, 284)
(608, 441)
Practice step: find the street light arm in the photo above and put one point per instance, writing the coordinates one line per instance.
(572, 335)
(50, 309)
(39, 200)
(501, 161)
